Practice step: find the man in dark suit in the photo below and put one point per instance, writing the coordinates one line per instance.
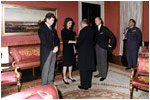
(134, 37)
(48, 49)
(86, 59)
(105, 40)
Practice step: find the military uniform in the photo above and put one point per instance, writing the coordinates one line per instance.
(133, 40)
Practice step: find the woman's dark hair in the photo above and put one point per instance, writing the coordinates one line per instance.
(102, 22)
(67, 20)
(48, 16)
(133, 21)
(85, 21)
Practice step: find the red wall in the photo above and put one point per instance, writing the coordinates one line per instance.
(145, 28)
(64, 8)
(112, 21)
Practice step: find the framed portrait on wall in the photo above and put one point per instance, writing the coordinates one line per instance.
(23, 20)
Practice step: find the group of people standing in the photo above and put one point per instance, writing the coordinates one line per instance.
(100, 40)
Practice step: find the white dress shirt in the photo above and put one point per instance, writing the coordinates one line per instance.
(48, 26)
(99, 27)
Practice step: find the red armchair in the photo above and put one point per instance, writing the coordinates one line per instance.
(144, 51)
(11, 76)
(140, 76)
(41, 92)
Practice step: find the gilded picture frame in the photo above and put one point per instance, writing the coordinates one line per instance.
(20, 20)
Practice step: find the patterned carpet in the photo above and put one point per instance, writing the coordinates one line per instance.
(116, 86)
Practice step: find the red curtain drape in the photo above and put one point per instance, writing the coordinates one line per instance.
(112, 21)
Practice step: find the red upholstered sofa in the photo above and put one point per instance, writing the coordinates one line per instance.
(26, 56)
(41, 92)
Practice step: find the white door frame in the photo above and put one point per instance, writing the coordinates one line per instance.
(101, 3)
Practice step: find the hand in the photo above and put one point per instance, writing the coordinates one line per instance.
(70, 41)
(75, 51)
(109, 46)
(55, 49)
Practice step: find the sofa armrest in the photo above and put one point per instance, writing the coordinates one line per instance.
(11, 69)
(8, 69)
(13, 64)
(17, 73)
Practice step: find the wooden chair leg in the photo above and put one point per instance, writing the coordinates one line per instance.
(57, 65)
(19, 86)
(33, 72)
(131, 91)
(18, 79)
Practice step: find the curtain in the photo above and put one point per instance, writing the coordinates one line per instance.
(129, 10)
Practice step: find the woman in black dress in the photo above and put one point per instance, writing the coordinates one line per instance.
(68, 37)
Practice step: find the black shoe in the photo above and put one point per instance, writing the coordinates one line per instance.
(102, 79)
(73, 80)
(97, 76)
(66, 82)
(80, 87)
(128, 68)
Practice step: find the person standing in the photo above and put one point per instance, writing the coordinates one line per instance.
(48, 49)
(134, 38)
(68, 38)
(105, 40)
(85, 49)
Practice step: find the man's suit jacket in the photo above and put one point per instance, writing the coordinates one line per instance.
(104, 37)
(85, 49)
(49, 39)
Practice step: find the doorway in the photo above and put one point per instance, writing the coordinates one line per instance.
(89, 12)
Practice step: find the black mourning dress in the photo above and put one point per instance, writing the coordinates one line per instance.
(68, 50)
